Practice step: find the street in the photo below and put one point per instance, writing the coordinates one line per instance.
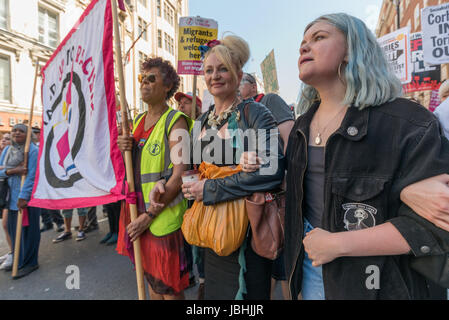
(104, 274)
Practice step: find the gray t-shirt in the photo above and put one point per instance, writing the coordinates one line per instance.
(314, 186)
(280, 110)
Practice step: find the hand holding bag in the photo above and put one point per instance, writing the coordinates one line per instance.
(221, 227)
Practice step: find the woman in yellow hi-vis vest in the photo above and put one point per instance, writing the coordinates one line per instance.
(162, 244)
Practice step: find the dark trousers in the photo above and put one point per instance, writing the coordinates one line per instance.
(49, 216)
(198, 259)
(92, 217)
(31, 236)
(113, 212)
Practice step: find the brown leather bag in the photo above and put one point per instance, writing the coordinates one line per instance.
(266, 213)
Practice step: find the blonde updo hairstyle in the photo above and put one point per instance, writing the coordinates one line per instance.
(233, 52)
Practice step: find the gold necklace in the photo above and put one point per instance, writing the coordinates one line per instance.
(215, 120)
(318, 139)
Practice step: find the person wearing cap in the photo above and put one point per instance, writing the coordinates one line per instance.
(11, 164)
(279, 108)
(185, 102)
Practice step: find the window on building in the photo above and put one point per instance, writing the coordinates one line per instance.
(169, 14)
(171, 17)
(142, 27)
(142, 58)
(4, 14)
(402, 10)
(417, 16)
(143, 2)
(5, 79)
(172, 46)
(159, 38)
(166, 42)
(158, 8)
(48, 27)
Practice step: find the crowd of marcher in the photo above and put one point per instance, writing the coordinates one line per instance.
(356, 167)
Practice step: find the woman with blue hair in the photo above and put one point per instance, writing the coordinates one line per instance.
(352, 151)
(350, 101)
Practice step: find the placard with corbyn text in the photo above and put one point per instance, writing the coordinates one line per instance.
(435, 28)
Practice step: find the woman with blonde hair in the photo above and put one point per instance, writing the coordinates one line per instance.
(242, 274)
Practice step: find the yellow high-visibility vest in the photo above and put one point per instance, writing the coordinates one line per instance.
(156, 164)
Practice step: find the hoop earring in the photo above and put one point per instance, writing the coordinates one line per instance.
(339, 73)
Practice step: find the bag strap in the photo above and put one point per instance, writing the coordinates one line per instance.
(259, 97)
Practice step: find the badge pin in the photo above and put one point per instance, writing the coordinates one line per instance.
(352, 131)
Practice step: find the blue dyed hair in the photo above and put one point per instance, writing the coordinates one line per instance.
(368, 78)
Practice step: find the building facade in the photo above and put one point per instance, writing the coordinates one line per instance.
(409, 15)
(31, 30)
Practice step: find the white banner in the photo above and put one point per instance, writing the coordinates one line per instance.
(396, 46)
(79, 162)
(435, 28)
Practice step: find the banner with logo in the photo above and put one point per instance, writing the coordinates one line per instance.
(79, 163)
(194, 32)
(424, 76)
(435, 28)
(396, 46)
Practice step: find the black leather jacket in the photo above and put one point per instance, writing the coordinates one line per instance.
(368, 161)
(244, 184)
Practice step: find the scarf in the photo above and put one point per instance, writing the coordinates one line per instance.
(16, 152)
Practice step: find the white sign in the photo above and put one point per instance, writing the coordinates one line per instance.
(435, 27)
(396, 46)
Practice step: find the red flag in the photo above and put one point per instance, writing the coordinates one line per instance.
(121, 5)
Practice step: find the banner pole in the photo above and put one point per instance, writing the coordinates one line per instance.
(25, 165)
(193, 112)
(128, 156)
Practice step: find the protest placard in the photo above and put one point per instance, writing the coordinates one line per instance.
(424, 76)
(194, 32)
(396, 46)
(269, 73)
(435, 27)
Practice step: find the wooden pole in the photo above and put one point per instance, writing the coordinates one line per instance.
(193, 115)
(128, 156)
(133, 17)
(15, 265)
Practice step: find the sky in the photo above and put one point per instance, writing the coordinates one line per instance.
(278, 25)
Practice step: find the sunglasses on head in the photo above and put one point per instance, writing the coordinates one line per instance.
(150, 78)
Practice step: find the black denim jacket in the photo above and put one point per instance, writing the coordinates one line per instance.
(374, 154)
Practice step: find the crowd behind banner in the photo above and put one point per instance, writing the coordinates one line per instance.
(349, 210)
